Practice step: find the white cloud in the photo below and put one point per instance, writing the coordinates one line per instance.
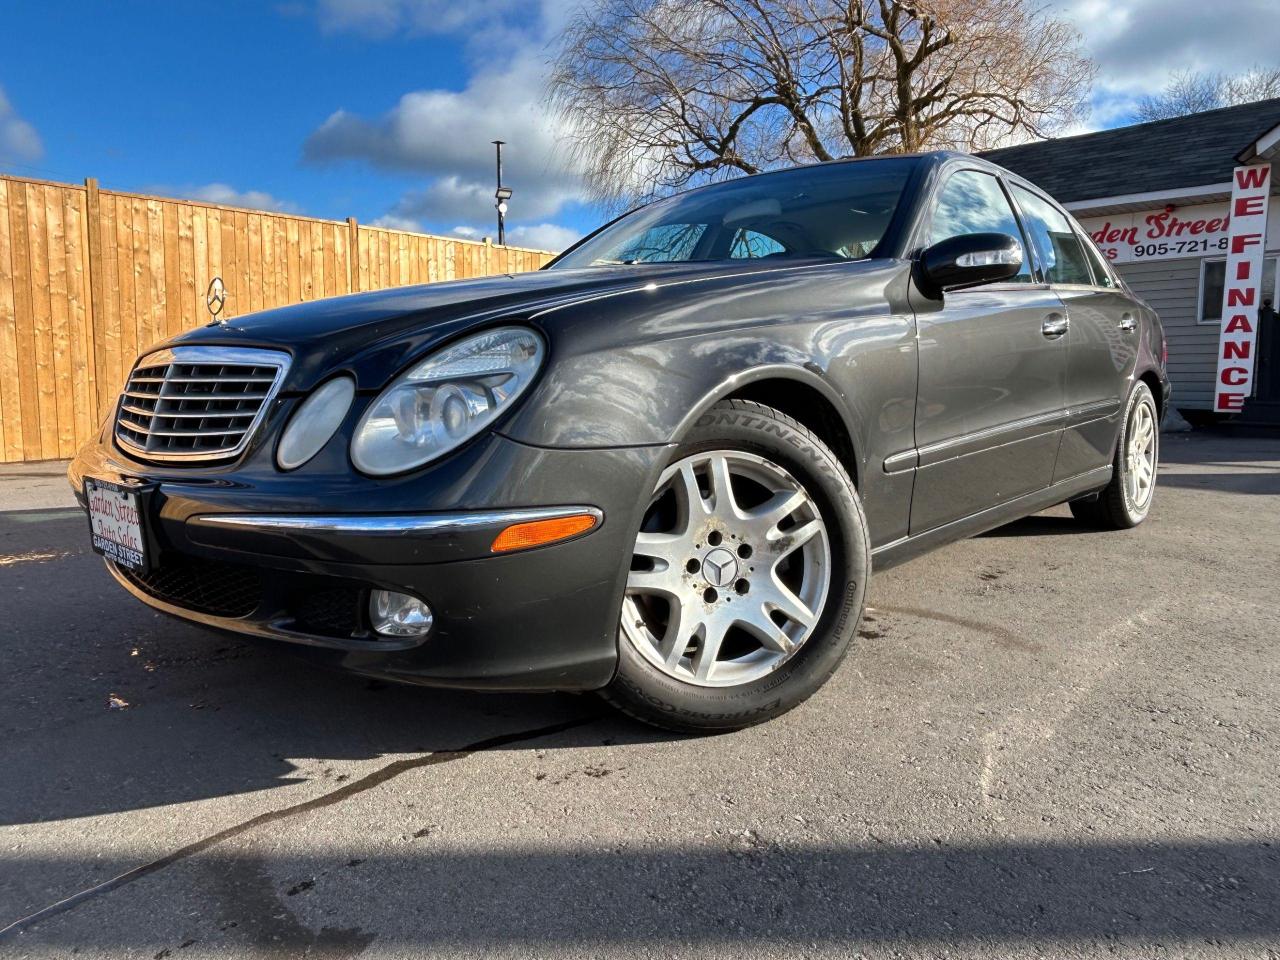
(18, 139)
(391, 222)
(1139, 44)
(543, 236)
(371, 18)
(383, 18)
(540, 236)
(447, 134)
(226, 196)
(444, 136)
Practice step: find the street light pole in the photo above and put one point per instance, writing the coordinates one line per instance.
(502, 200)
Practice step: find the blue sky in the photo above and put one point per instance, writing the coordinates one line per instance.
(224, 103)
(383, 109)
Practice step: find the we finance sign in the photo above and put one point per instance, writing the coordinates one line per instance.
(1242, 293)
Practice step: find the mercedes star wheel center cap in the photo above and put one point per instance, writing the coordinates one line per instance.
(719, 567)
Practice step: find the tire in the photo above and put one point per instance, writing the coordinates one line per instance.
(1125, 501)
(739, 607)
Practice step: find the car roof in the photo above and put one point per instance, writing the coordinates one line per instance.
(930, 159)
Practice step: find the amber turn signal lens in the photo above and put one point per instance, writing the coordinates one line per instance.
(535, 533)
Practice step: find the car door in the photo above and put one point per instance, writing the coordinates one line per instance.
(1102, 338)
(992, 371)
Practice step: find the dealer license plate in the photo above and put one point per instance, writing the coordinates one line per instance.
(116, 523)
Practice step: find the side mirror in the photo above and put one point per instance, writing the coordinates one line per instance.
(970, 260)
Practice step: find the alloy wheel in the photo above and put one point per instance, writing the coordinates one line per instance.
(730, 571)
(1140, 454)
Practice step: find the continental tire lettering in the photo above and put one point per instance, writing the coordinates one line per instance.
(850, 597)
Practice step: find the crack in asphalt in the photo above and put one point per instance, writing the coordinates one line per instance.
(1002, 635)
(367, 782)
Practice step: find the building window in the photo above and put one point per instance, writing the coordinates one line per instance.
(1213, 275)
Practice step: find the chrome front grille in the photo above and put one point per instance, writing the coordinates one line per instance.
(197, 403)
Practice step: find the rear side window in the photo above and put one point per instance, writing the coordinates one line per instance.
(972, 202)
(1102, 277)
(1061, 253)
(749, 244)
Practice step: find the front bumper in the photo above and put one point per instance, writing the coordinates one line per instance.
(284, 557)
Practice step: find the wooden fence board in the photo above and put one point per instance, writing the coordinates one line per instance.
(172, 319)
(123, 256)
(42, 312)
(200, 262)
(10, 397)
(240, 230)
(83, 377)
(60, 320)
(186, 285)
(107, 321)
(90, 278)
(24, 314)
(139, 263)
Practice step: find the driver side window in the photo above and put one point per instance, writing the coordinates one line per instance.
(973, 202)
(663, 243)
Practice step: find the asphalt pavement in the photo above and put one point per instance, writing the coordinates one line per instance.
(1049, 741)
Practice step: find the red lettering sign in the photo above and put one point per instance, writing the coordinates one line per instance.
(1235, 350)
(1255, 176)
(1229, 402)
(1241, 294)
(1234, 376)
(1238, 243)
(1247, 207)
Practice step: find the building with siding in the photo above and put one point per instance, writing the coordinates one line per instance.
(1155, 199)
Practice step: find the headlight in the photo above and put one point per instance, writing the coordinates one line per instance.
(446, 400)
(314, 422)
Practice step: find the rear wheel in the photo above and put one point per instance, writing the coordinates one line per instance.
(747, 579)
(1126, 501)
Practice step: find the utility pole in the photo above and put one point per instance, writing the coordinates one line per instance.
(502, 195)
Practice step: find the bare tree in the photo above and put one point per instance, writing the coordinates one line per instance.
(1192, 91)
(662, 93)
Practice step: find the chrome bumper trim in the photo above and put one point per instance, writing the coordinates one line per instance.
(375, 525)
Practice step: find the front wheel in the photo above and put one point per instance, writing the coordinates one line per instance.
(1126, 501)
(747, 579)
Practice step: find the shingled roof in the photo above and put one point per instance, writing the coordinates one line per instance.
(1191, 151)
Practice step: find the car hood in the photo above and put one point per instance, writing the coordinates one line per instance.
(372, 335)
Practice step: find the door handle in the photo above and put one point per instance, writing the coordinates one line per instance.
(1128, 323)
(1055, 325)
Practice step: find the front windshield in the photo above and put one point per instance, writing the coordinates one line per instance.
(834, 210)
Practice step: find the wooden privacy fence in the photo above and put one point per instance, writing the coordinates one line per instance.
(90, 278)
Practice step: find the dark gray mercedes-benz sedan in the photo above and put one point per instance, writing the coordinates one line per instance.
(664, 466)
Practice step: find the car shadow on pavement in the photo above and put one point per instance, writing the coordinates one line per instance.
(731, 890)
(1264, 482)
(108, 706)
(1042, 525)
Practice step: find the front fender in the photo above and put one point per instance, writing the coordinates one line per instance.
(639, 368)
(809, 374)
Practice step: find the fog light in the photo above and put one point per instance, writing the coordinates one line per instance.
(398, 614)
